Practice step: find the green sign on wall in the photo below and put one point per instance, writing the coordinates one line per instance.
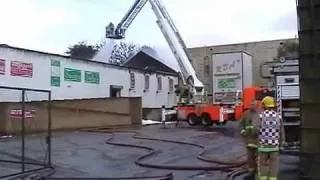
(227, 83)
(55, 81)
(55, 63)
(55, 73)
(91, 77)
(72, 74)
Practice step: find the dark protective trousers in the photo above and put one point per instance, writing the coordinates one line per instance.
(268, 165)
(252, 159)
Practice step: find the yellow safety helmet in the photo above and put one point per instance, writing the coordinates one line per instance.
(268, 102)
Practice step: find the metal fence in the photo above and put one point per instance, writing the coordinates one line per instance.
(25, 131)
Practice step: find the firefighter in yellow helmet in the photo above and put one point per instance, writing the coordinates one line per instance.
(270, 139)
(249, 126)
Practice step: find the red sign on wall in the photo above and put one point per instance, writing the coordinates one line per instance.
(21, 69)
(2, 66)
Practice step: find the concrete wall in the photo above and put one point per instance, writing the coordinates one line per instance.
(261, 51)
(73, 114)
(44, 66)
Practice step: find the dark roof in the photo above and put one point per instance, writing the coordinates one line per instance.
(87, 60)
(148, 59)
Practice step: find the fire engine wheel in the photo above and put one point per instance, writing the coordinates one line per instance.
(192, 120)
(221, 123)
(206, 120)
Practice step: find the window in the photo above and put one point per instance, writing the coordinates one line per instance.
(146, 82)
(132, 80)
(170, 84)
(159, 83)
(115, 91)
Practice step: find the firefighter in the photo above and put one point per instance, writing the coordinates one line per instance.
(249, 126)
(270, 139)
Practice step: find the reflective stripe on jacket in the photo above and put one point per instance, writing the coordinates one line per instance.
(271, 131)
(262, 148)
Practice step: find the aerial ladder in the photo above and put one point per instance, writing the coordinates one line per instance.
(190, 91)
(187, 73)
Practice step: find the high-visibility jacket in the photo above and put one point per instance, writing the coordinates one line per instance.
(249, 127)
(271, 130)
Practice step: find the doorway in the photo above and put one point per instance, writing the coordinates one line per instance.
(115, 91)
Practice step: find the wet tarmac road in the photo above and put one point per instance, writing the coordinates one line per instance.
(83, 154)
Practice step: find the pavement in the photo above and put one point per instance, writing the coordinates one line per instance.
(85, 154)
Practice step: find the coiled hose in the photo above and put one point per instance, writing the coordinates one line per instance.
(219, 165)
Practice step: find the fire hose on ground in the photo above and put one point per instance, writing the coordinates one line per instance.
(234, 169)
(227, 166)
(236, 173)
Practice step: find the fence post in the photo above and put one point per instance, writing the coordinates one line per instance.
(49, 129)
(23, 131)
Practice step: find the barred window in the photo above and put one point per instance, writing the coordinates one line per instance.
(132, 80)
(170, 84)
(146, 82)
(159, 83)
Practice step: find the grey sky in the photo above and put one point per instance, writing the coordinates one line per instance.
(53, 25)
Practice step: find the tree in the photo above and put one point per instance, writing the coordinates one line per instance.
(122, 51)
(83, 50)
(288, 48)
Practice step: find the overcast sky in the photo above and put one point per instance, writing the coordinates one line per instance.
(53, 25)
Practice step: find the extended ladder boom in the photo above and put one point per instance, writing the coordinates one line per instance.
(119, 32)
(172, 36)
(173, 27)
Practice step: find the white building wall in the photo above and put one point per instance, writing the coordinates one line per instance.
(109, 75)
(153, 98)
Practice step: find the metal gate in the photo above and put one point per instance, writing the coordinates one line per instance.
(25, 131)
